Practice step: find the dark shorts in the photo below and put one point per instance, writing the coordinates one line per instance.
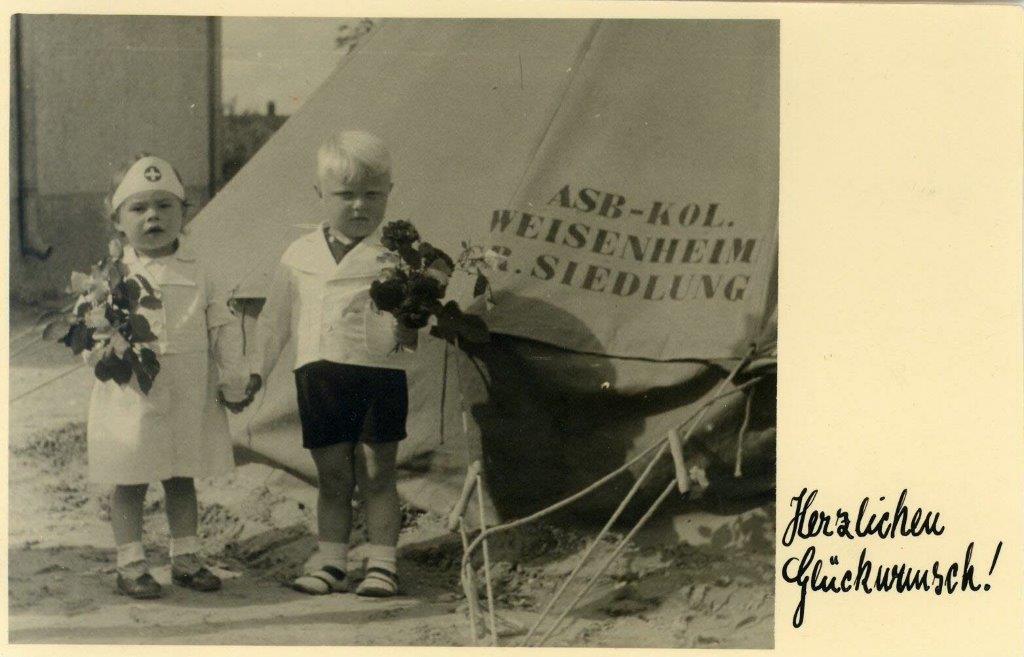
(334, 400)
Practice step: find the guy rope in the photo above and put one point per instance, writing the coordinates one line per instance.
(672, 443)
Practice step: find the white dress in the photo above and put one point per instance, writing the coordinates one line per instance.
(178, 429)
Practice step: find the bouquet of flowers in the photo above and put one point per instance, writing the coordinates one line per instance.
(104, 318)
(414, 281)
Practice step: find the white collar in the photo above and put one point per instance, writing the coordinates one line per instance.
(338, 236)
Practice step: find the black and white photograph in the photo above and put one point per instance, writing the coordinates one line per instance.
(361, 331)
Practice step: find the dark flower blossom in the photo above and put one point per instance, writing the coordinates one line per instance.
(412, 286)
(432, 254)
(424, 288)
(387, 295)
(398, 234)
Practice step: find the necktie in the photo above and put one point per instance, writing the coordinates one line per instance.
(337, 247)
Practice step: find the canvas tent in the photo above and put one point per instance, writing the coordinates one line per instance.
(628, 169)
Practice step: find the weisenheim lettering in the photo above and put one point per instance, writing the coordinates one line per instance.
(620, 249)
(826, 574)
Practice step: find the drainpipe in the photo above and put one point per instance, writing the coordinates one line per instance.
(25, 194)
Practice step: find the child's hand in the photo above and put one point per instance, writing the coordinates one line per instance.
(235, 407)
(254, 386)
(406, 337)
(251, 388)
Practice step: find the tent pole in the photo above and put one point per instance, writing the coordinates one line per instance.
(738, 472)
(487, 561)
(622, 544)
(469, 588)
(444, 389)
(594, 543)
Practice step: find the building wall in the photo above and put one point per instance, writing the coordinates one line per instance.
(87, 93)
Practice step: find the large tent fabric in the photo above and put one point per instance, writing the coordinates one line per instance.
(627, 168)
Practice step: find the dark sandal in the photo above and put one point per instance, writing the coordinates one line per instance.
(201, 580)
(378, 583)
(323, 580)
(143, 587)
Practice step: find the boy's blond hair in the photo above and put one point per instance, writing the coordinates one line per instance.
(355, 156)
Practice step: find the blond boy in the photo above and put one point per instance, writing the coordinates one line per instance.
(320, 298)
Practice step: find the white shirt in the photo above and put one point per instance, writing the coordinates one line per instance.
(192, 317)
(325, 306)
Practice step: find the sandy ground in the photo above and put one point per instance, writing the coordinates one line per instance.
(256, 526)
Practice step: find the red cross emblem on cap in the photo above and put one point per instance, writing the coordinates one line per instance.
(152, 174)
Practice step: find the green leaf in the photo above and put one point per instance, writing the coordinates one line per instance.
(141, 332)
(83, 309)
(475, 330)
(142, 373)
(79, 338)
(451, 319)
(444, 331)
(105, 367)
(448, 312)
(134, 291)
(122, 368)
(57, 329)
(119, 296)
(148, 358)
(481, 285)
(145, 284)
(151, 302)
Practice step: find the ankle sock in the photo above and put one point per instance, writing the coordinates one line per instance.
(331, 554)
(382, 556)
(129, 553)
(184, 545)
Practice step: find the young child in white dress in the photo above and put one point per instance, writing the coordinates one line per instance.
(177, 431)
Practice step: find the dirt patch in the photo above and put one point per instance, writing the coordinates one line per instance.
(257, 527)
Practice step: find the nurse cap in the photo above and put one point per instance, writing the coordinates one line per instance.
(148, 174)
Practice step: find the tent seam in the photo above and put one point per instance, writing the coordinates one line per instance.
(584, 49)
(346, 60)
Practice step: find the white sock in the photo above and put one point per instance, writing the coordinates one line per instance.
(381, 556)
(130, 553)
(184, 545)
(332, 554)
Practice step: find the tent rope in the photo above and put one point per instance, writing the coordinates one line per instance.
(629, 496)
(28, 333)
(28, 346)
(660, 445)
(715, 398)
(738, 472)
(600, 482)
(593, 544)
(49, 381)
(615, 553)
